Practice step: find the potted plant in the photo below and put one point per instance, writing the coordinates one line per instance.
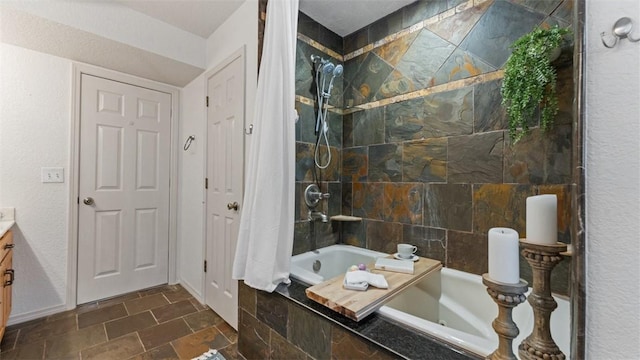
(530, 80)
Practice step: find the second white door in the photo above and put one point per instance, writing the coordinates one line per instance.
(123, 216)
(225, 165)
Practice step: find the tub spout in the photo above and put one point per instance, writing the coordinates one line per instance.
(318, 215)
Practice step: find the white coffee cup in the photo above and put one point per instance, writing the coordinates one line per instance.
(406, 251)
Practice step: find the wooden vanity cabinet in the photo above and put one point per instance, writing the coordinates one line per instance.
(6, 279)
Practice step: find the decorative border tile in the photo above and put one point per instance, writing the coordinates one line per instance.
(311, 102)
(309, 41)
(458, 84)
(498, 74)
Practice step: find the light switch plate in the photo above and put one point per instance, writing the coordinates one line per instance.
(52, 175)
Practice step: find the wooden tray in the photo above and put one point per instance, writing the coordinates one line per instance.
(356, 305)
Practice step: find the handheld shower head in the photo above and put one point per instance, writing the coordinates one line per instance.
(328, 68)
(337, 72)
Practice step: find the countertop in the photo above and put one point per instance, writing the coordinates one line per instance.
(7, 219)
(5, 225)
(403, 342)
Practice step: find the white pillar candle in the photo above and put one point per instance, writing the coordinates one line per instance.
(542, 219)
(504, 262)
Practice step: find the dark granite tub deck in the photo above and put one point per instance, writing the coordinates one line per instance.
(398, 339)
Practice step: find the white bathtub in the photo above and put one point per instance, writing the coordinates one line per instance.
(456, 308)
(453, 306)
(334, 260)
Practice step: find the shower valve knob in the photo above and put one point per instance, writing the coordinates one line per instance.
(319, 195)
(313, 195)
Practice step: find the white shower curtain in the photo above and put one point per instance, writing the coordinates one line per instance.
(265, 240)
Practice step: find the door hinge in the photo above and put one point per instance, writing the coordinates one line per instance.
(207, 101)
(206, 183)
(78, 200)
(205, 266)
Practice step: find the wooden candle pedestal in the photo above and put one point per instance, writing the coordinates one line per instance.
(542, 259)
(507, 296)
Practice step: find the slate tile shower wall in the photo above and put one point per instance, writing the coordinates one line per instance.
(424, 155)
(315, 39)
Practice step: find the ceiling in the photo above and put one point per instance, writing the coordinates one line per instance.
(199, 17)
(346, 16)
(203, 17)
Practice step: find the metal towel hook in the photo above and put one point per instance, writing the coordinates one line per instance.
(187, 143)
(250, 130)
(621, 29)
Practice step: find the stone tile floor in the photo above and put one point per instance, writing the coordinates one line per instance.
(164, 322)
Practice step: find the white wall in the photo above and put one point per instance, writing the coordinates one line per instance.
(240, 29)
(191, 187)
(612, 185)
(117, 22)
(35, 118)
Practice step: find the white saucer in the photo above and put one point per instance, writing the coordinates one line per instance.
(412, 258)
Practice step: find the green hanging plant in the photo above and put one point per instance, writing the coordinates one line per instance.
(530, 80)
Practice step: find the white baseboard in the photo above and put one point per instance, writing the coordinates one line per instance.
(32, 315)
(192, 291)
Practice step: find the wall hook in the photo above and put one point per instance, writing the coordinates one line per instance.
(187, 143)
(621, 29)
(250, 130)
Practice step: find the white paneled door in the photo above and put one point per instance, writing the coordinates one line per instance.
(225, 165)
(123, 224)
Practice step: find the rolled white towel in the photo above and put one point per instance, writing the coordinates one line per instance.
(360, 276)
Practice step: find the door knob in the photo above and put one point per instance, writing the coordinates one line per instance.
(88, 201)
(233, 206)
